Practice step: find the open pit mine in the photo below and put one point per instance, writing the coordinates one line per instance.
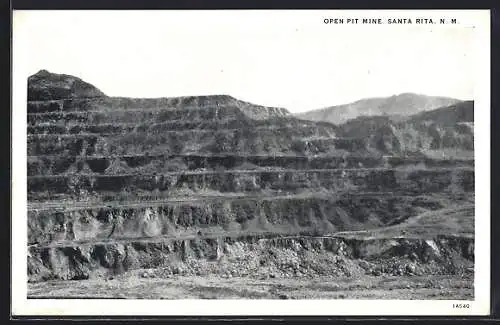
(212, 197)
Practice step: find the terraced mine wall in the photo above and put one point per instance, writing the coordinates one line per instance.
(56, 165)
(291, 182)
(287, 215)
(256, 141)
(214, 185)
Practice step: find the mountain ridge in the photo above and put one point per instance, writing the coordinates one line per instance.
(403, 104)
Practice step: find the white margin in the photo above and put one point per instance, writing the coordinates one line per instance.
(480, 306)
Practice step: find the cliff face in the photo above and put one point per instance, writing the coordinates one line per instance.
(117, 184)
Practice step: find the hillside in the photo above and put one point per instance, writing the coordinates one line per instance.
(398, 105)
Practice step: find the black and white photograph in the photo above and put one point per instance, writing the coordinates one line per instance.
(310, 160)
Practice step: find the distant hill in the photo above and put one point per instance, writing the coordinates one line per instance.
(443, 129)
(462, 112)
(398, 105)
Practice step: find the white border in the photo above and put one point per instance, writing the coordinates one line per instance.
(480, 19)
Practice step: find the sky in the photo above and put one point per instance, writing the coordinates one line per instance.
(288, 59)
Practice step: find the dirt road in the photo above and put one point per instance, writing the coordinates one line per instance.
(132, 286)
